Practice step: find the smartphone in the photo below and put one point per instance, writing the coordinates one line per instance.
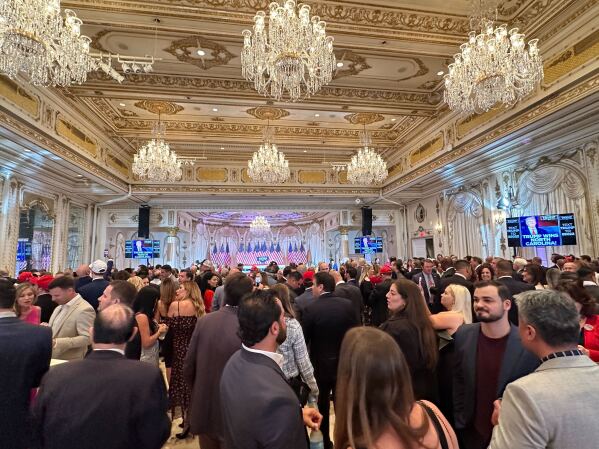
(258, 280)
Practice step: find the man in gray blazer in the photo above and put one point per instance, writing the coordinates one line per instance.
(70, 321)
(556, 406)
(488, 356)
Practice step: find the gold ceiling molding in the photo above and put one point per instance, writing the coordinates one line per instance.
(19, 97)
(564, 23)
(185, 50)
(426, 150)
(422, 70)
(237, 87)
(428, 85)
(117, 164)
(572, 58)
(293, 190)
(312, 176)
(364, 118)
(159, 107)
(127, 113)
(25, 130)
(508, 8)
(267, 113)
(474, 121)
(534, 14)
(76, 136)
(205, 174)
(547, 107)
(353, 63)
(95, 43)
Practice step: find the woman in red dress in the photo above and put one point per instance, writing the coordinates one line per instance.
(25, 307)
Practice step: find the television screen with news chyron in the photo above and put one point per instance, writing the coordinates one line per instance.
(142, 249)
(541, 230)
(366, 244)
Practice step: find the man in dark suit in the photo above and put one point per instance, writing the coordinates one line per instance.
(488, 356)
(377, 300)
(351, 275)
(83, 278)
(348, 291)
(325, 322)
(92, 291)
(417, 269)
(302, 301)
(427, 280)
(25, 352)
(504, 276)
(216, 339)
(260, 409)
(104, 400)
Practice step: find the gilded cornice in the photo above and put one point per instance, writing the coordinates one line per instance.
(294, 190)
(546, 107)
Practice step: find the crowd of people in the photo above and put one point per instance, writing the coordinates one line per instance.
(431, 353)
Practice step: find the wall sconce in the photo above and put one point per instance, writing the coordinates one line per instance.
(499, 217)
(439, 228)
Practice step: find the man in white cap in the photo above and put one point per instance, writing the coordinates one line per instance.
(93, 290)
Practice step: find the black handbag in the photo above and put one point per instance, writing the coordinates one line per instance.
(438, 426)
(301, 389)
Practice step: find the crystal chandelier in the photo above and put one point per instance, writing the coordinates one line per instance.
(155, 161)
(268, 165)
(367, 167)
(260, 225)
(293, 56)
(37, 41)
(493, 67)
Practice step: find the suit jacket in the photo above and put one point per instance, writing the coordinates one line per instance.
(377, 300)
(517, 362)
(534, 411)
(301, 302)
(353, 282)
(260, 410)
(215, 339)
(44, 301)
(593, 290)
(25, 351)
(325, 322)
(353, 293)
(102, 401)
(218, 300)
(514, 287)
(72, 331)
(82, 281)
(414, 272)
(430, 298)
(92, 291)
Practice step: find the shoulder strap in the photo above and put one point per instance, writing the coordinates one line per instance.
(178, 308)
(438, 426)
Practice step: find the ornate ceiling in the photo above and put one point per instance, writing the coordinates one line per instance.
(275, 218)
(391, 51)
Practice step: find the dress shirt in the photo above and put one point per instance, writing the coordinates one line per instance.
(585, 283)
(8, 315)
(120, 351)
(460, 274)
(278, 358)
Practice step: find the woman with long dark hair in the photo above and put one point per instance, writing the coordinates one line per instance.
(150, 331)
(375, 406)
(410, 326)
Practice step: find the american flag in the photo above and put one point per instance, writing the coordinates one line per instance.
(221, 257)
(296, 255)
(259, 254)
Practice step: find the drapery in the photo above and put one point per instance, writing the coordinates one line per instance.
(466, 231)
(556, 189)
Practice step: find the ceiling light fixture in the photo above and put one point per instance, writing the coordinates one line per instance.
(367, 167)
(201, 53)
(291, 55)
(339, 64)
(260, 225)
(214, 109)
(122, 105)
(155, 161)
(493, 67)
(268, 165)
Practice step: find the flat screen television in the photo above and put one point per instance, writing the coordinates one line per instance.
(23, 250)
(142, 249)
(541, 230)
(365, 245)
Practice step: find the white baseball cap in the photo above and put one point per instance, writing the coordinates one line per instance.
(98, 266)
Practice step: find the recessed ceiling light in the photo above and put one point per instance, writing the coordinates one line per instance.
(339, 64)
(80, 176)
(214, 109)
(440, 73)
(122, 105)
(27, 150)
(305, 151)
(201, 52)
(393, 119)
(222, 148)
(316, 115)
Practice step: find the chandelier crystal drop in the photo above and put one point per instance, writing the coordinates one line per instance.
(493, 67)
(292, 57)
(155, 161)
(37, 41)
(268, 165)
(260, 225)
(367, 167)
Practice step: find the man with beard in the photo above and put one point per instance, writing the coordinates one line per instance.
(259, 407)
(488, 356)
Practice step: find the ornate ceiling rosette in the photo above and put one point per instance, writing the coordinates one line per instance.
(267, 113)
(159, 107)
(186, 50)
(364, 118)
(353, 63)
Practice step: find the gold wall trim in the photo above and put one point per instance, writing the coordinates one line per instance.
(426, 150)
(117, 164)
(76, 136)
(476, 120)
(204, 174)
(19, 97)
(572, 58)
(311, 177)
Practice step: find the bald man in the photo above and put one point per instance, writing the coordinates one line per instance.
(83, 276)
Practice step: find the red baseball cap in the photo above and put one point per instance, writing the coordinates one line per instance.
(386, 269)
(308, 275)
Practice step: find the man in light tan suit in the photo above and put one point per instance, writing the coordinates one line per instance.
(70, 321)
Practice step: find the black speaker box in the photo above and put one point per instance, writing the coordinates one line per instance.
(143, 229)
(366, 221)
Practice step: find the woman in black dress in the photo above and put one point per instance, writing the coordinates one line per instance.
(410, 326)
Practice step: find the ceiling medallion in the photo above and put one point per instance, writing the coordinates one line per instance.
(493, 67)
(367, 167)
(268, 113)
(201, 52)
(268, 165)
(159, 107)
(290, 56)
(155, 161)
(364, 118)
(352, 62)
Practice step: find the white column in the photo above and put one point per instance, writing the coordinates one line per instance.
(9, 224)
(344, 242)
(59, 234)
(87, 242)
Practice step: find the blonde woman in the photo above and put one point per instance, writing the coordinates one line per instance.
(457, 300)
(168, 293)
(137, 282)
(25, 307)
(183, 313)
